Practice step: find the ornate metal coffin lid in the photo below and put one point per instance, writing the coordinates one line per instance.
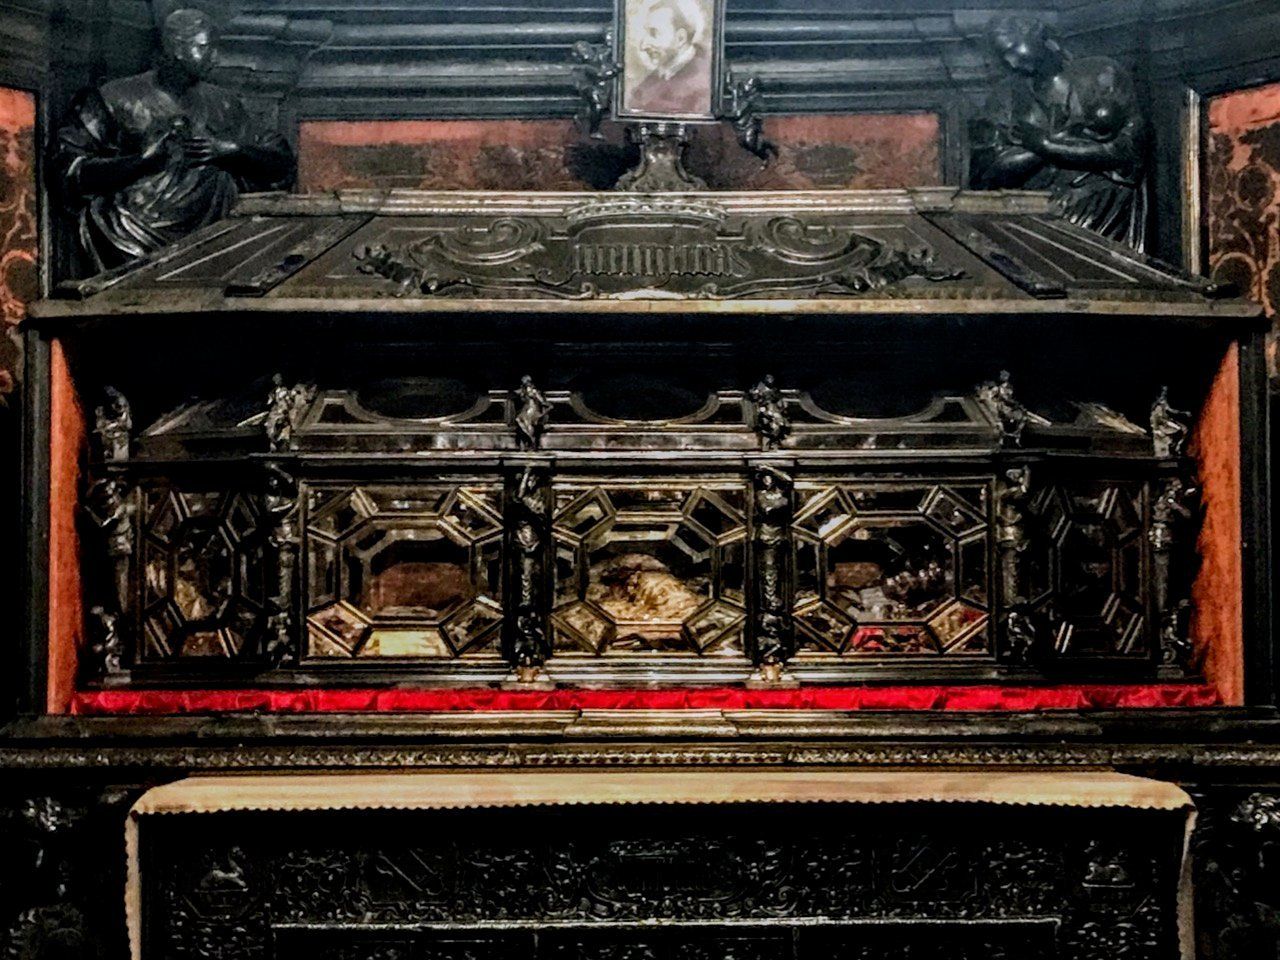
(934, 251)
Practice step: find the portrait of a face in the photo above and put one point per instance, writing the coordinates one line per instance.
(669, 61)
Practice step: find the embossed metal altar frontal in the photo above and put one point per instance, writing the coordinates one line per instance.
(414, 478)
(661, 863)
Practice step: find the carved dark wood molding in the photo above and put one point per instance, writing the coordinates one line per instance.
(370, 755)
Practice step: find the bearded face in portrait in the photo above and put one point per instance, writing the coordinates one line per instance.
(673, 32)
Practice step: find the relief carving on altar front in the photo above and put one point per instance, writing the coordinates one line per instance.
(665, 886)
(1237, 858)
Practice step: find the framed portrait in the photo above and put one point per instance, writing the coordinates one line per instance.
(672, 55)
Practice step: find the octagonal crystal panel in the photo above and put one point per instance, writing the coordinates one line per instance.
(203, 575)
(651, 567)
(892, 569)
(405, 571)
(1091, 554)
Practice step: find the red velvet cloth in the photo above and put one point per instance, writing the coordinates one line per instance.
(954, 698)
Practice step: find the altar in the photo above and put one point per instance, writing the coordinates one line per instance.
(579, 864)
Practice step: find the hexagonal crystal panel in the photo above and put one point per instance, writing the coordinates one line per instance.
(650, 567)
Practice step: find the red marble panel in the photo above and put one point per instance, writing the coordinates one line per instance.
(859, 151)
(1217, 625)
(1242, 193)
(846, 152)
(18, 283)
(436, 155)
(66, 596)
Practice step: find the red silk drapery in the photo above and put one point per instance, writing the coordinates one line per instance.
(951, 698)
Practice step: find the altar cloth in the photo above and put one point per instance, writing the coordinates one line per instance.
(450, 790)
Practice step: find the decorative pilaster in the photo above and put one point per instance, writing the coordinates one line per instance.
(110, 507)
(771, 640)
(526, 643)
(283, 539)
(1174, 517)
(1019, 642)
(47, 922)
